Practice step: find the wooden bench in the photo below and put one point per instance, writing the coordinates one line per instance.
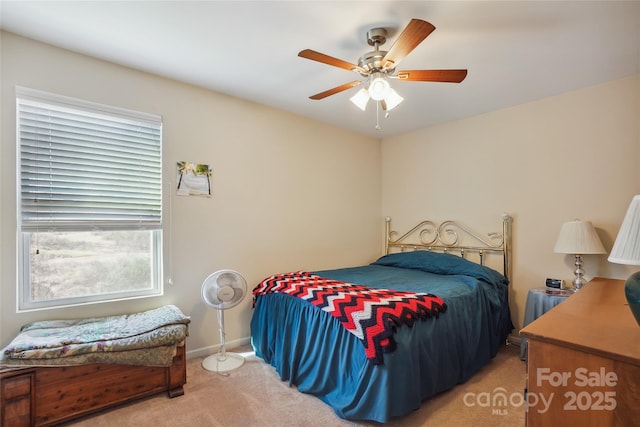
(46, 396)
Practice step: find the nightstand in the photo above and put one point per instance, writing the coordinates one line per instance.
(539, 301)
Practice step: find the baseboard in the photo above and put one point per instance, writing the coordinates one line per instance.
(514, 340)
(206, 351)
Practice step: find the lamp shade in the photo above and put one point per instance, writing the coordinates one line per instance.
(393, 99)
(626, 248)
(360, 99)
(578, 238)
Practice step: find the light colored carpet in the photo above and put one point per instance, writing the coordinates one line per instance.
(253, 395)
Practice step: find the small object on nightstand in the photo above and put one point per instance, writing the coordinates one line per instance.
(555, 283)
(555, 292)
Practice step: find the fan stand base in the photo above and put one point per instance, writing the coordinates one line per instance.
(217, 363)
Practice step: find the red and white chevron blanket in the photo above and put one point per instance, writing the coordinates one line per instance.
(370, 314)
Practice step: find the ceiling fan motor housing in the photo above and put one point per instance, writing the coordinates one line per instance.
(372, 61)
(376, 36)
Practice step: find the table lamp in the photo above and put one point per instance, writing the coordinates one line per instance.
(626, 250)
(578, 238)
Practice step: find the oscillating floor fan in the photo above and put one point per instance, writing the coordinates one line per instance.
(222, 290)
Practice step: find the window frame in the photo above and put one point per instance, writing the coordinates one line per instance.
(25, 302)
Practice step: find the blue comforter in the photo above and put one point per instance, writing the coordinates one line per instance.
(310, 349)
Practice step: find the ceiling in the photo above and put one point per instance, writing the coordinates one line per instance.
(515, 51)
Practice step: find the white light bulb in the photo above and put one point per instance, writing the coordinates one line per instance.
(378, 87)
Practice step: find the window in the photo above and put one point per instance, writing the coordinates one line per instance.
(90, 202)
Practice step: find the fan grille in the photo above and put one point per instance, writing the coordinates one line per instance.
(224, 289)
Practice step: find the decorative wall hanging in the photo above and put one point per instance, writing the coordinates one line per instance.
(194, 179)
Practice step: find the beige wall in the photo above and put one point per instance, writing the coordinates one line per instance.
(286, 190)
(278, 178)
(571, 156)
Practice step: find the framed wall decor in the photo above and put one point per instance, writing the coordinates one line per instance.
(194, 179)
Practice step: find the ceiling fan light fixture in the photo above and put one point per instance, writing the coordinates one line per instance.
(378, 87)
(360, 99)
(392, 99)
(377, 67)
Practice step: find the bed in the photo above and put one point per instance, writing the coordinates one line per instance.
(56, 371)
(446, 316)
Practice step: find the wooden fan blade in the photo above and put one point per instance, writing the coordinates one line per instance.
(330, 60)
(335, 90)
(445, 76)
(413, 34)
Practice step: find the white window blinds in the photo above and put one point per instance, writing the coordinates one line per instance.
(86, 166)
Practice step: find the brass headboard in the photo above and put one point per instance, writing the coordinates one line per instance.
(452, 237)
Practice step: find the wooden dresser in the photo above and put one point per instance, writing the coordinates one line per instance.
(584, 361)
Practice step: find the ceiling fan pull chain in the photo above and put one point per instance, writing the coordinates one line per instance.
(378, 115)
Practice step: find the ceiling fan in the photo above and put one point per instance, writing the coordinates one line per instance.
(378, 65)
